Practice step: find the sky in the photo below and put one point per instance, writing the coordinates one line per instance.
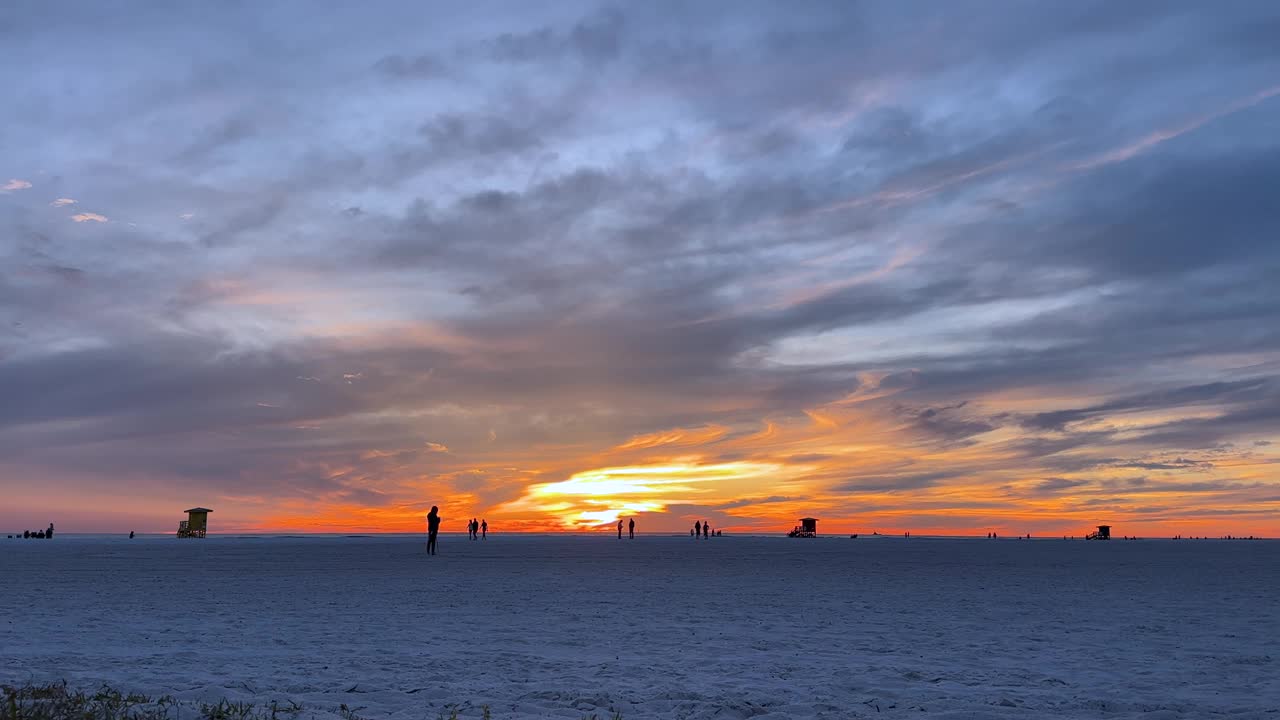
(940, 267)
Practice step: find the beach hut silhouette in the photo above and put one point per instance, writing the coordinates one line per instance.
(807, 528)
(1103, 533)
(196, 524)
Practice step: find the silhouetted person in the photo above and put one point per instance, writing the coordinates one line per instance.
(433, 528)
(26, 534)
(697, 528)
(484, 529)
(706, 529)
(691, 533)
(619, 528)
(130, 534)
(631, 528)
(49, 533)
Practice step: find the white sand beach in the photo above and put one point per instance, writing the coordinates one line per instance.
(659, 627)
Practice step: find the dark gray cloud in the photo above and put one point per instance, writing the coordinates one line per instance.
(897, 483)
(1227, 392)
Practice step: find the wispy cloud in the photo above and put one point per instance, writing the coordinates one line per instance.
(1149, 142)
(15, 184)
(89, 217)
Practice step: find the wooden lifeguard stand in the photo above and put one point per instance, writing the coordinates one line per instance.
(196, 524)
(807, 528)
(1103, 533)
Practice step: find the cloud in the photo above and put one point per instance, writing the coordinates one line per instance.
(62, 202)
(753, 502)
(685, 437)
(89, 217)
(15, 184)
(1174, 397)
(896, 483)
(594, 39)
(420, 66)
(1054, 485)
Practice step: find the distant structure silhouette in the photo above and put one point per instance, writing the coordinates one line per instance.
(433, 529)
(196, 524)
(631, 528)
(808, 528)
(1103, 533)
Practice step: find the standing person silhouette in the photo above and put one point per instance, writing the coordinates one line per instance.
(484, 529)
(475, 528)
(697, 528)
(706, 529)
(433, 528)
(619, 528)
(631, 528)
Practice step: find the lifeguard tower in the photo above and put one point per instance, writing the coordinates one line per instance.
(1103, 533)
(807, 528)
(196, 524)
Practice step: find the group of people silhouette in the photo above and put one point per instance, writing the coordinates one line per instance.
(476, 529)
(702, 529)
(631, 528)
(37, 534)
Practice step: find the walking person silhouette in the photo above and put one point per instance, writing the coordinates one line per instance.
(433, 528)
(619, 528)
(484, 529)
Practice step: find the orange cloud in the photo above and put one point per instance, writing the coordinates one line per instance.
(679, 437)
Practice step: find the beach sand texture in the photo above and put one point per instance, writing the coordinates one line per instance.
(659, 627)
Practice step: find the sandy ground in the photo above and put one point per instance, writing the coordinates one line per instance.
(659, 627)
